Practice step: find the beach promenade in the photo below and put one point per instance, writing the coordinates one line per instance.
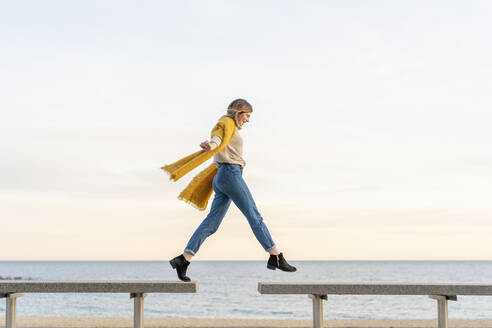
(100, 322)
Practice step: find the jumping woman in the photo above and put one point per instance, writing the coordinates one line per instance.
(224, 176)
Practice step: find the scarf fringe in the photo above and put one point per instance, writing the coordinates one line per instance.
(191, 203)
(164, 168)
(178, 169)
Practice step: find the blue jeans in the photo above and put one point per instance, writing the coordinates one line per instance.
(229, 185)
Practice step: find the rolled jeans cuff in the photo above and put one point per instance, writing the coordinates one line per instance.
(187, 250)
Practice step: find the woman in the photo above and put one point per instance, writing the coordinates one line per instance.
(225, 177)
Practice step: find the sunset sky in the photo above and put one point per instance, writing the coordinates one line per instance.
(370, 137)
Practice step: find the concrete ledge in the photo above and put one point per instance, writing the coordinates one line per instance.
(373, 289)
(98, 286)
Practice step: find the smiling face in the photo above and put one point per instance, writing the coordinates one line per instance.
(243, 118)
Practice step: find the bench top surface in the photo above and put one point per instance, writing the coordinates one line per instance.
(373, 289)
(97, 286)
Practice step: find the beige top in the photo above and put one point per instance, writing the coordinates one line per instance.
(232, 153)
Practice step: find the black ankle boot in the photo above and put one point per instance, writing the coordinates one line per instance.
(279, 262)
(180, 264)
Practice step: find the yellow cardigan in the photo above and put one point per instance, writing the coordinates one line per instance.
(199, 190)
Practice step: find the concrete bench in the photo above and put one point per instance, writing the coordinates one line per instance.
(318, 292)
(138, 290)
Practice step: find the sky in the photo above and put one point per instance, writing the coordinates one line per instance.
(370, 135)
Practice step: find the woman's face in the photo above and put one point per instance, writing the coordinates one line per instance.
(243, 118)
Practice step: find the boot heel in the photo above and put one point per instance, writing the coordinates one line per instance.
(173, 264)
(271, 267)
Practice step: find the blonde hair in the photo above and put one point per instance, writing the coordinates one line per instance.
(236, 108)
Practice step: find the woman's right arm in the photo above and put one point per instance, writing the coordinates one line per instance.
(212, 144)
(208, 146)
(215, 140)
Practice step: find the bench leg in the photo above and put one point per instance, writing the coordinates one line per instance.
(442, 309)
(318, 309)
(11, 303)
(138, 309)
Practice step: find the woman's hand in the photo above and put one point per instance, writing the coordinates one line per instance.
(208, 146)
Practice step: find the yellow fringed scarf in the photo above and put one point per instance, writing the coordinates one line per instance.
(199, 190)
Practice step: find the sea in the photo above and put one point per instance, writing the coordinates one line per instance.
(230, 289)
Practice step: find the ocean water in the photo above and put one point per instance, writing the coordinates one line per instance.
(229, 289)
